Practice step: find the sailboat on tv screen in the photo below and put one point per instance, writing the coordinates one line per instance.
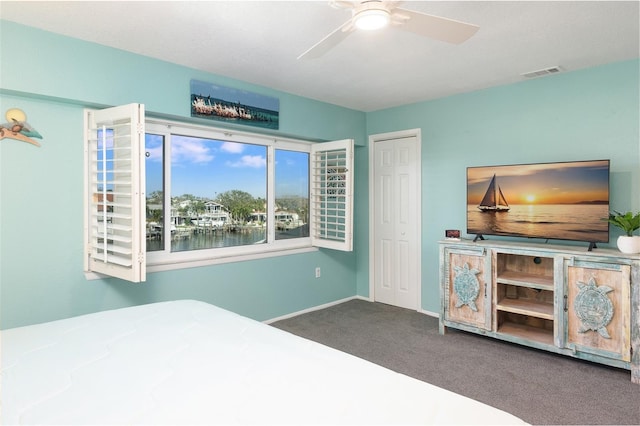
(494, 200)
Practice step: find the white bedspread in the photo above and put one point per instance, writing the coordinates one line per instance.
(188, 362)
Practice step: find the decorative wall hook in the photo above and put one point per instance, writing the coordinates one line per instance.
(18, 128)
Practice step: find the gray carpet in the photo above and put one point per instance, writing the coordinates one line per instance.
(537, 386)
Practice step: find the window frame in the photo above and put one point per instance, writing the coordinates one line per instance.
(160, 260)
(165, 260)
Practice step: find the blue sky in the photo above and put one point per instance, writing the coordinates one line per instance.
(205, 168)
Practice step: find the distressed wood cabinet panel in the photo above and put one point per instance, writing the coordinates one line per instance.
(465, 298)
(467, 289)
(598, 310)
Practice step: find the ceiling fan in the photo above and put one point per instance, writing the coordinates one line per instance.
(377, 14)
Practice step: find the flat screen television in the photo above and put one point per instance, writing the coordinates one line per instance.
(561, 201)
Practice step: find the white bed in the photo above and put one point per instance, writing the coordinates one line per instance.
(188, 362)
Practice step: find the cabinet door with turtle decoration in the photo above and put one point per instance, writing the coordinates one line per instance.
(597, 308)
(466, 298)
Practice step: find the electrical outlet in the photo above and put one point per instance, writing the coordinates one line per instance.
(318, 272)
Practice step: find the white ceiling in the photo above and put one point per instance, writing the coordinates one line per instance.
(259, 41)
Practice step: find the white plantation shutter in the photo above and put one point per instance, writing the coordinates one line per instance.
(114, 192)
(332, 195)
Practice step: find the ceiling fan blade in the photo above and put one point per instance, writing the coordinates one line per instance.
(342, 4)
(329, 42)
(435, 27)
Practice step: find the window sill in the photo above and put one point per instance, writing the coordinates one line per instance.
(171, 264)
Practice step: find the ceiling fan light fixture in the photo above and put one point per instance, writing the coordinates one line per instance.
(371, 19)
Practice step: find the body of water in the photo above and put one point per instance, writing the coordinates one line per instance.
(578, 222)
(206, 240)
(219, 238)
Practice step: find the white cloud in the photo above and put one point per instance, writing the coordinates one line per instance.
(191, 151)
(254, 161)
(232, 147)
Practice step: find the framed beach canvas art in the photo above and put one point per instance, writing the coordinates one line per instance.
(216, 102)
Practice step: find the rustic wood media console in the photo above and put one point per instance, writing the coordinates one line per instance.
(563, 299)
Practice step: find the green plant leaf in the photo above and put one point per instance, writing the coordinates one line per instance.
(627, 221)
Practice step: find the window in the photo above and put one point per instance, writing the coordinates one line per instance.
(209, 195)
(291, 194)
(216, 192)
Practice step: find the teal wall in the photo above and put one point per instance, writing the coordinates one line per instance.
(588, 114)
(582, 115)
(52, 78)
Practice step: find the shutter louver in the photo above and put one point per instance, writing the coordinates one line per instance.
(115, 202)
(332, 195)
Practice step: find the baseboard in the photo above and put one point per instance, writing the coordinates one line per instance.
(336, 302)
(314, 308)
(429, 313)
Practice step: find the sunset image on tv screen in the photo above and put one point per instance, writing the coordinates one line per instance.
(566, 201)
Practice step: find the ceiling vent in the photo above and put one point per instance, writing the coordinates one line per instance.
(540, 73)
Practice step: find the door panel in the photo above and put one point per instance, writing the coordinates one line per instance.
(396, 215)
(467, 289)
(597, 306)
